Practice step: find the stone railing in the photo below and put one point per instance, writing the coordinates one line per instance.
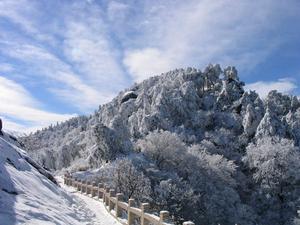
(116, 207)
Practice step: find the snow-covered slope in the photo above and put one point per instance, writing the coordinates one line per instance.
(29, 197)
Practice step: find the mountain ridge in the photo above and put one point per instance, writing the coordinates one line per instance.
(188, 139)
(142, 112)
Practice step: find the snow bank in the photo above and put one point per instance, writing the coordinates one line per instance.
(29, 197)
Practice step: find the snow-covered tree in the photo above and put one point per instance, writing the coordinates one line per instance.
(163, 147)
(177, 196)
(124, 176)
(190, 130)
(275, 166)
(129, 181)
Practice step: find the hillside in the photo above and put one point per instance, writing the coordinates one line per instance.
(229, 154)
(181, 101)
(30, 195)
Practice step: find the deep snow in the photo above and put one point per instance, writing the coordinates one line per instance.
(28, 197)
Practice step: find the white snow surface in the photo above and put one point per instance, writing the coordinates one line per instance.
(28, 197)
(100, 216)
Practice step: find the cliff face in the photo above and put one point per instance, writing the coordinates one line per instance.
(187, 102)
(198, 106)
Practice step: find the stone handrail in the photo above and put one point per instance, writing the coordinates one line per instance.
(113, 201)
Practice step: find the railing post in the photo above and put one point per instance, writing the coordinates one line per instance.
(100, 193)
(164, 215)
(93, 189)
(144, 208)
(110, 203)
(79, 185)
(82, 187)
(129, 213)
(87, 187)
(188, 223)
(75, 183)
(106, 196)
(106, 193)
(118, 210)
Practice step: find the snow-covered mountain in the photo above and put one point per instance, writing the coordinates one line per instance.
(198, 106)
(194, 139)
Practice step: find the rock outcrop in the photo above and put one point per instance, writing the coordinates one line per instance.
(189, 102)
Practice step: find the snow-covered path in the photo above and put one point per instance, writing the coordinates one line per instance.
(94, 209)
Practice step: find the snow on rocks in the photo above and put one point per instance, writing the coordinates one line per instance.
(183, 101)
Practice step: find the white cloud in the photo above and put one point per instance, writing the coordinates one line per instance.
(29, 53)
(81, 54)
(286, 86)
(78, 93)
(85, 72)
(146, 62)
(10, 125)
(6, 67)
(194, 33)
(21, 12)
(17, 103)
(61, 80)
(13, 11)
(11, 92)
(87, 46)
(117, 10)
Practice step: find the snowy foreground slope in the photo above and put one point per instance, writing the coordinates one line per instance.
(28, 197)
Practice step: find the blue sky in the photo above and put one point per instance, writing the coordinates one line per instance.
(62, 58)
